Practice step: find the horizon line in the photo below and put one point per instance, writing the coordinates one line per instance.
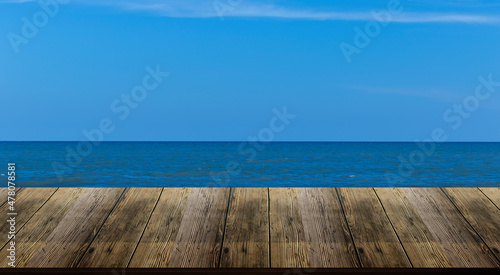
(239, 141)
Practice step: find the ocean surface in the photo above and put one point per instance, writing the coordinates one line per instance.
(239, 164)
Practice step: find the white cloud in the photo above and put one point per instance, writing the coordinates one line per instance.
(252, 8)
(440, 95)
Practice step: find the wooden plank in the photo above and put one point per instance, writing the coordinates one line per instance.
(481, 214)
(39, 227)
(70, 239)
(157, 243)
(288, 240)
(493, 194)
(3, 195)
(376, 242)
(461, 245)
(326, 232)
(26, 205)
(419, 244)
(116, 241)
(199, 241)
(246, 238)
(307, 229)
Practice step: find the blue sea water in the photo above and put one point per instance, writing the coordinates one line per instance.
(236, 164)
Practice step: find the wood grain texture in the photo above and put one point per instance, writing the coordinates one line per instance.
(327, 235)
(419, 244)
(461, 245)
(4, 192)
(276, 227)
(288, 240)
(26, 205)
(70, 239)
(376, 242)
(246, 238)
(3, 195)
(39, 227)
(115, 243)
(481, 214)
(199, 239)
(157, 243)
(493, 194)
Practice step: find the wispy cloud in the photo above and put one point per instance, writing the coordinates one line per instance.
(258, 9)
(436, 94)
(440, 95)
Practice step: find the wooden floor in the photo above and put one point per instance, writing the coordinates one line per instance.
(239, 227)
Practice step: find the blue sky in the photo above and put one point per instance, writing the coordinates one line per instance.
(230, 63)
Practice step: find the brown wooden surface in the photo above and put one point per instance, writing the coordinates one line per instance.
(75, 232)
(481, 214)
(460, 243)
(115, 243)
(26, 205)
(3, 194)
(327, 234)
(256, 227)
(199, 240)
(288, 240)
(420, 246)
(376, 242)
(41, 225)
(246, 239)
(157, 243)
(493, 194)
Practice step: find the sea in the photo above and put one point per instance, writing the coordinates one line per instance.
(244, 164)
